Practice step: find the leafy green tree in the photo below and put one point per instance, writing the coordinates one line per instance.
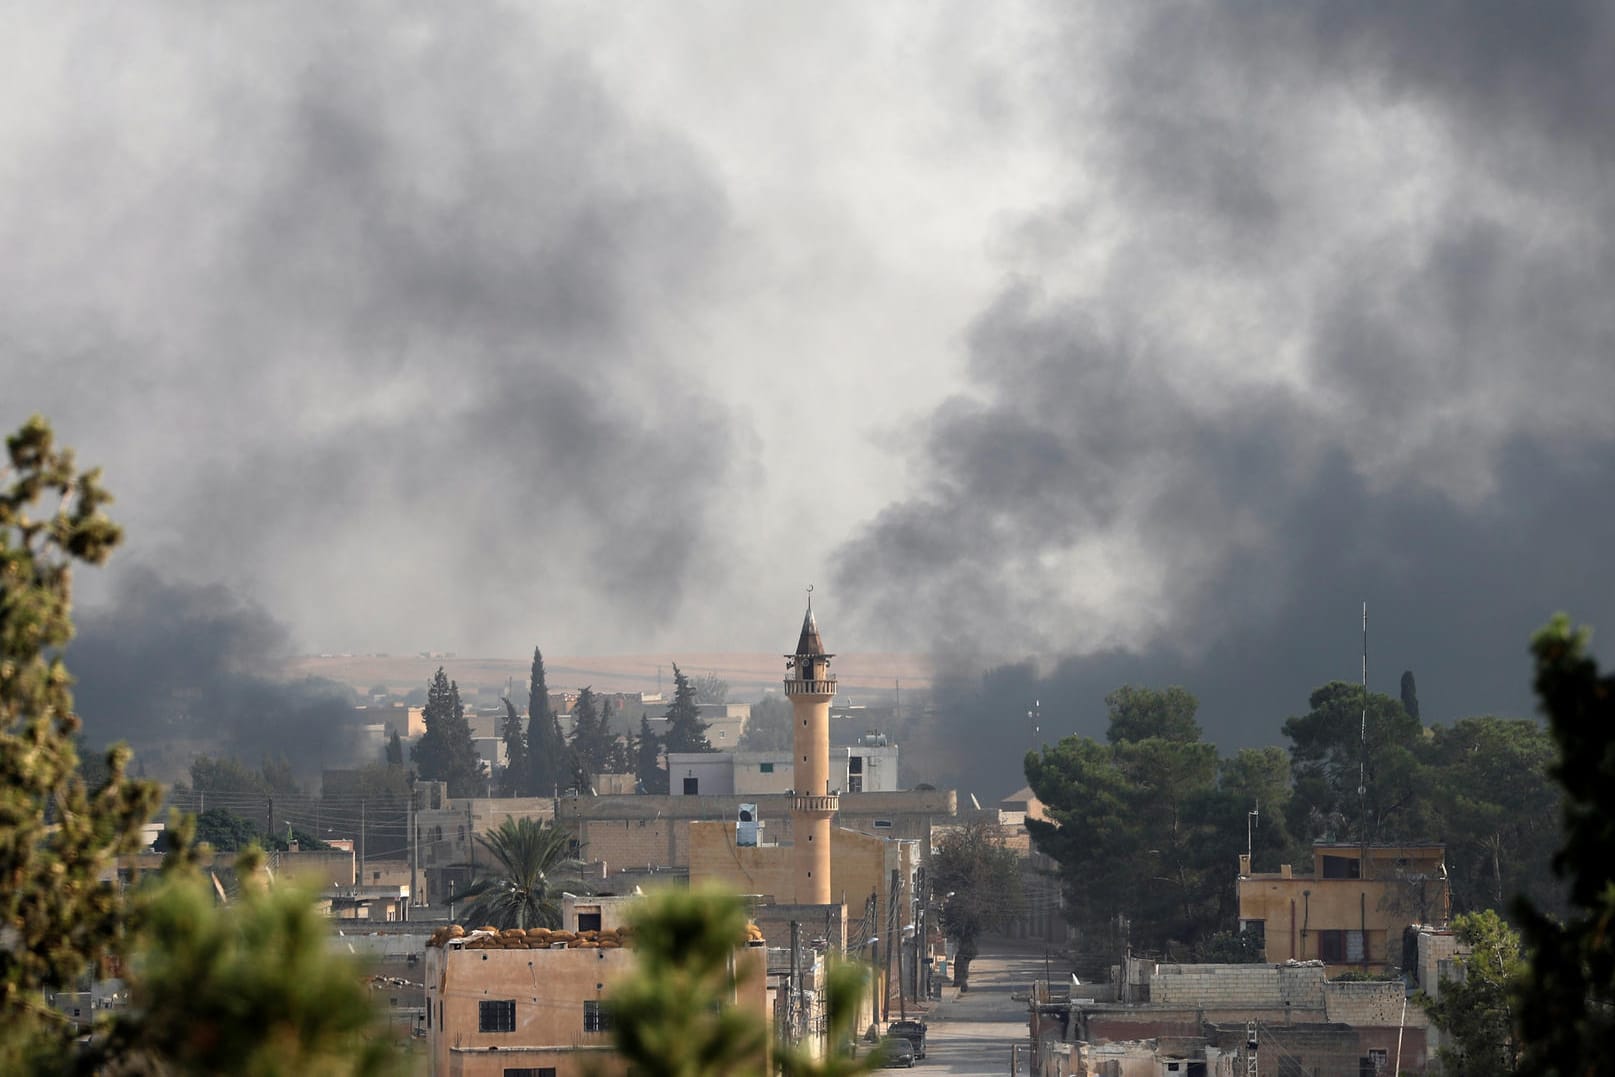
(395, 751)
(1496, 809)
(686, 732)
(711, 689)
(1327, 759)
(981, 877)
(1567, 1001)
(58, 838)
(1230, 948)
(226, 774)
(226, 831)
(648, 763)
(532, 861)
(769, 729)
(548, 758)
(445, 752)
(1475, 1012)
(1143, 713)
(1142, 833)
(513, 778)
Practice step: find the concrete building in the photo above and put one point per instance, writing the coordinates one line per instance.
(529, 1005)
(1351, 910)
(870, 766)
(445, 829)
(1196, 1019)
(643, 832)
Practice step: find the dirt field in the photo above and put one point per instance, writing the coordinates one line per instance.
(748, 674)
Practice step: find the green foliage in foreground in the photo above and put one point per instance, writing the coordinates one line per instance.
(244, 988)
(676, 1017)
(1567, 1001)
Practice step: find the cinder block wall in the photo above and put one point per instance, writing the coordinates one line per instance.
(1223, 986)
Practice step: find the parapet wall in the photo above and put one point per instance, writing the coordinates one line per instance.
(1221, 986)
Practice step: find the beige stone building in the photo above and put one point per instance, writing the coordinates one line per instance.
(1351, 909)
(518, 1010)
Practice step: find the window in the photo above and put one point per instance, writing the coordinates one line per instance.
(1342, 867)
(692, 787)
(855, 764)
(881, 824)
(589, 920)
(497, 1016)
(765, 768)
(1255, 931)
(855, 783)
(1339, 947)
(1379, 1059)
(529, 1071)
(595, 1017)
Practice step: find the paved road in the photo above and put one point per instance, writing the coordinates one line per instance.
(973, 1033)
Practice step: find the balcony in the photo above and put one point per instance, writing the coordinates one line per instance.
(810, 688)
(802, 802)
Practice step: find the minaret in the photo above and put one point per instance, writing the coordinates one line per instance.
(810, 686)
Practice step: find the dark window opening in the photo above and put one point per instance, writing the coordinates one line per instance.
(496, 1016)
(595, 1017)
(589, 921)
(692, 786)
(855, 783)
(1342, 867)
(765, 768)
(529, 1071)
(855, 765)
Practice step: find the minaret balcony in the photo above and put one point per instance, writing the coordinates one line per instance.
(810, 688)
(827, 805)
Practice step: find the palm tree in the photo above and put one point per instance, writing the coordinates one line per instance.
(531, 860)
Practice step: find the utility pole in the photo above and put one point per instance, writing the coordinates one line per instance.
(894, 939)
(361, 842)
(414, 851)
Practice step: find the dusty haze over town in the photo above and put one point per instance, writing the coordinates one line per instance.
(1142, 343)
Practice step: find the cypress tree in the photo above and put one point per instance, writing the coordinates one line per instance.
(652, 778)
(592, 742)
(549, 763)
(513, 779)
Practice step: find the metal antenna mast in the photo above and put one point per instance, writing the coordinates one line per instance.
(1362, 759)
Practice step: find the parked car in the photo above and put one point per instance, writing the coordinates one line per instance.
(896, 1051)
(912, 1031)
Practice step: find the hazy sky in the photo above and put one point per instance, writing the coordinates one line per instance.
(1163, 331)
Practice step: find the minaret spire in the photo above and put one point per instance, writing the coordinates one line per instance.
(810, 686)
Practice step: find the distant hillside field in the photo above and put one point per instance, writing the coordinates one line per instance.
(748, 674)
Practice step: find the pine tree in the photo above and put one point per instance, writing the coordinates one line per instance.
(549, 762)
(652, 778)
(445, 752)
(686, 732)
(395, 751)
(513, 779)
